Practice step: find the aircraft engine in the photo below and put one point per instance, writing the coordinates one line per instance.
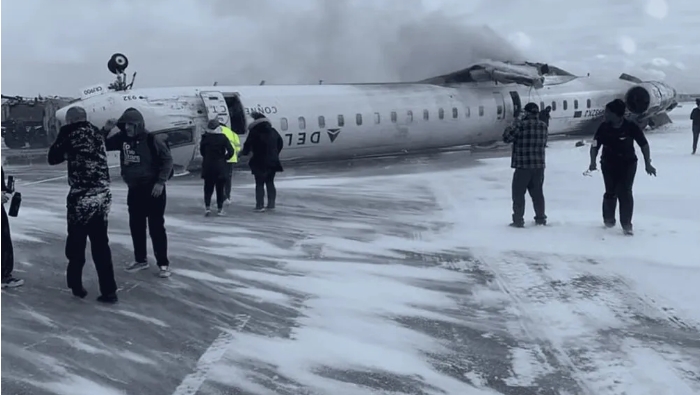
(650, 97)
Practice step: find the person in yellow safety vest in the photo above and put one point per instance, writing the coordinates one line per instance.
(236, 143)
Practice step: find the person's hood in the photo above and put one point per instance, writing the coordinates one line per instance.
(132, 116)
(216, 130)
(258, 122)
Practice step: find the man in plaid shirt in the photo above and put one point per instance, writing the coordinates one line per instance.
(529, 138)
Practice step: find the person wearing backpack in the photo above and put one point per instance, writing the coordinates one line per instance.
(146, 166)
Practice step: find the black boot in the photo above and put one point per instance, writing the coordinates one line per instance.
(110, 298)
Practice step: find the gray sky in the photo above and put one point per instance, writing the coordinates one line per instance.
(58, 47)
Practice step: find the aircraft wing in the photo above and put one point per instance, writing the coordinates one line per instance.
(528, 74)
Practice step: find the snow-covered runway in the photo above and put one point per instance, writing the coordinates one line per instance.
(400, 279)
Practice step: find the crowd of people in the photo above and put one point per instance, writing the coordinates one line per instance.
(146, 166)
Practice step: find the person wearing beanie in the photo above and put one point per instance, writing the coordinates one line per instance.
(695, 116)
(529, 137)
(216, 150)
(265, 143)
(618, 162)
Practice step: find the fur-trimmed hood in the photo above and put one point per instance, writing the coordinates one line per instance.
(258, 122)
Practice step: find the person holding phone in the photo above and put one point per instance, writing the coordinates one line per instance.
(8, 253)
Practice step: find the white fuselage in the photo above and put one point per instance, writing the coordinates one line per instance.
(320, 122)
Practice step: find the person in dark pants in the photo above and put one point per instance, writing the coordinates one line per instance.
(8, 252)
(216, 150)
(266, 144)
(146, 166)
(695, 116)
(529, 137)
(236, 144)
(82, 145)
(545, 115)
(619, 162)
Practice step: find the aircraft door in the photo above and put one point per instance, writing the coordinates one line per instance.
(500, 106)
(517, 104)
(216, 107)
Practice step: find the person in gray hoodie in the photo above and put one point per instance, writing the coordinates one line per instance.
(146, 166)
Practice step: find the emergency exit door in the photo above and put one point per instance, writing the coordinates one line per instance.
(500, 106)
(216, 107)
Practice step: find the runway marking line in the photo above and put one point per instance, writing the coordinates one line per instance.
(191, 384)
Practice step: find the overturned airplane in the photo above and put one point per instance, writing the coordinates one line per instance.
(336, 121)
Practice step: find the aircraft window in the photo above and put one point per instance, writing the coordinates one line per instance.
(588, 103)
(554, 106)
(409, 116)
(321, 122)
(481, 111)
(426, 115)
(499, 110)
(177, 137)
(284, 124)
(441, 113)
(575, 104)
(393, 117)
(566, 105)
(302, 123)
(341, 121)
(358, 119)
(455, 112)
(469, 112)
(377, 118)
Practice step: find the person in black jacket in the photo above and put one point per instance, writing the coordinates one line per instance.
(618, 163)
(216, 150)
(8, 252)
(146, 166)
(695, 117)
(546, 115)
(89, 200)
(266, 144)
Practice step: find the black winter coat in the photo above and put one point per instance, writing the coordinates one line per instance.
(216, 149)
(266, 144)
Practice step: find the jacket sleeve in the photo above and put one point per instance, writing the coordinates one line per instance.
(638, 135)
(59, 148)
(247, 145)
(201, 144)
(511, 132)
(113, 141)
(280, 142)
(229, 149)
(165, 157)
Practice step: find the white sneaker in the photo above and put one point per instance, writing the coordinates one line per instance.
(220, 213)
(164, 272)
(207, 212)
(227, 202)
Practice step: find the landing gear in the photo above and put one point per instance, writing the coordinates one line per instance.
(117, 65)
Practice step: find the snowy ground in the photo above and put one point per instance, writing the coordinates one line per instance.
(402, 278)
